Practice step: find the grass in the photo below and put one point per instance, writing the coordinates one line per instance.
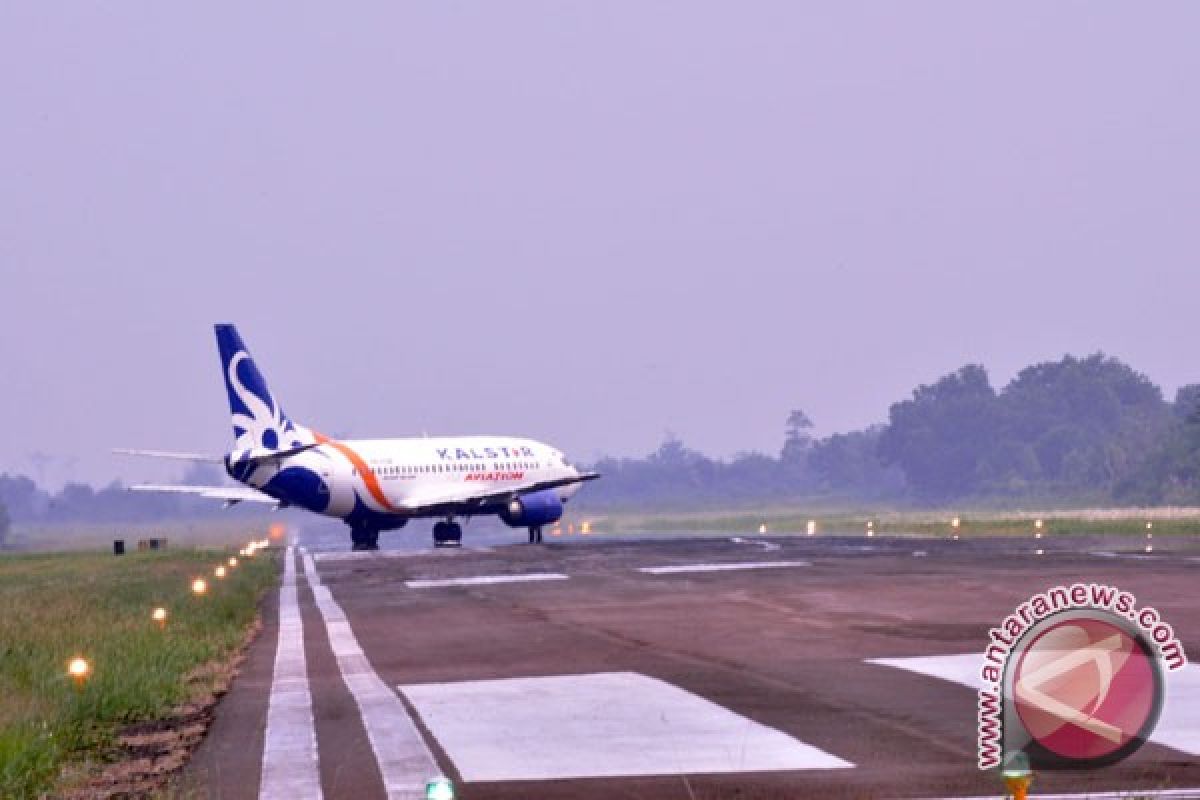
(54, 607)
(1166, 522)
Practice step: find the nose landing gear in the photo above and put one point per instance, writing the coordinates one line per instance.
(447, 534)
(535, 534)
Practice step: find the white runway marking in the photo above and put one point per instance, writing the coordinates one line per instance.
(764, 545)
(289, 765)
(1130, 556)
(962, 669)
(601, 725)
(404, 760)
(1119, 794)
(676, 569)
(1178, 727)
(374, 555)
(485, 580)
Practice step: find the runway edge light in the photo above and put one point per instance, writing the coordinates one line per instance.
(439, 788)
(1017, 775)
(79, 670)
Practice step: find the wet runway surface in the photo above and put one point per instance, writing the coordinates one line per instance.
(717, 667)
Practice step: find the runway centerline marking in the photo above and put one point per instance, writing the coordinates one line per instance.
(404, 760)
(675, 569)
(485, 580)
(289, 762)
(611, 724)
(1178, 725)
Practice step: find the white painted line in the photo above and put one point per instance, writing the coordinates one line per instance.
(289, 764)
(404, 760)
(676, 569)
(375, 555)
(601, 725)
(1178, 726)
(485, 580)
(1117, 794)
(764, 545)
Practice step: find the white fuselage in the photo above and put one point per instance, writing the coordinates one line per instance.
(393, 476)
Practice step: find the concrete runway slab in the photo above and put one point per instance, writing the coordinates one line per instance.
(612, 724)
(788, 650)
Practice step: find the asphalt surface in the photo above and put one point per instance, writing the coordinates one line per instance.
(757, 680)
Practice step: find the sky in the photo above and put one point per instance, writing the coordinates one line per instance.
(591, 223)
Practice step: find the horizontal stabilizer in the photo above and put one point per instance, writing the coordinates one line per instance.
(207, 459)
(230, 494)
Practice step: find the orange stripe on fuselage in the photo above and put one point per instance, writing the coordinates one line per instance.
(359, 464)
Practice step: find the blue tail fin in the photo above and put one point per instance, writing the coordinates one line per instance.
(258, 419)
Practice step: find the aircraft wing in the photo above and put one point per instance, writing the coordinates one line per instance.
(466, 494)
(232, 495)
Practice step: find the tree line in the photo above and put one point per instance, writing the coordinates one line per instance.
(1076, 430)
(23, 501)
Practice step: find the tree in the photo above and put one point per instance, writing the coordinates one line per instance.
(1171, 471)
(798, 439)
(939, 436)
(23, 499)
(1090, 421)
(848, 464)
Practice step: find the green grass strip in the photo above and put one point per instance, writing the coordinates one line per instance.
(59, 606)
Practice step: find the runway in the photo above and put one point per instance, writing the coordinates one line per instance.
(730, 667)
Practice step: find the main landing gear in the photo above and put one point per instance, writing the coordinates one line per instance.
(364, 539)
(535, 534)
(447, 534)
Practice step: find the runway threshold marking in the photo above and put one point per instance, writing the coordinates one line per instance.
(675, 569)
(485, 580)
(289, 762)
(404, 760)
(610, 724)
(1117, 794)
(1178, 725)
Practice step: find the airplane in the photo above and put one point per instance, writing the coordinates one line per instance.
(376, 485)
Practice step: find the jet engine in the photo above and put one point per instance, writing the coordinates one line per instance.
(533, 510)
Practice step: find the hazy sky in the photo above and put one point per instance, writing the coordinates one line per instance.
(589, 223)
